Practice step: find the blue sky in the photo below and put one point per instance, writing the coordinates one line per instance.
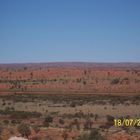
(69, 30)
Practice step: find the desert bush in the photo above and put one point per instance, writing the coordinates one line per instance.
(36, 128)
(115, 81)
(79, 115)
(93, 135)
(14, 122)
(49, 119)
(84, 82)
(84, 137)
(73, 104)
(24, 130)
(110, 118)
(110, 121)
(6, 122)
(61, 121)
(20, 114)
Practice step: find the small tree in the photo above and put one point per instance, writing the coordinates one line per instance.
(95, 135)
(24, 130)
(115, 81)
(49, 119)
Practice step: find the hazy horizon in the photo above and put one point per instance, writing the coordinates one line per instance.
(69, 62)
(69, 31)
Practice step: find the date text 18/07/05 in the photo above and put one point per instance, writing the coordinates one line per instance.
(126, 122)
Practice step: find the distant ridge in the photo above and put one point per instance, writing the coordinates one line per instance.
(70, 77)
(119, 65)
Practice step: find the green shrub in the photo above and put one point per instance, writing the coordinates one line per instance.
(110, 121)
(93, 135)
(115, 81)
(61, 121)
(24, 130)
(49, 119)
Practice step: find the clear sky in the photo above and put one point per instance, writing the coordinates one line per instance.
(69, 30)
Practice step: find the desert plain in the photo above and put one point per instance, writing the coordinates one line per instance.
(69, 101)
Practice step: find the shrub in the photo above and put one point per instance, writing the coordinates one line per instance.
(84, 82)
(49, 119)
(14, 122)
(84, 137)
(61, 121)
(24, 130)
(115, 81)
(6, 122)
(110, 121)
(73, 104)
(93, 135)
(36, 128)
(20, 114)
(110, 118)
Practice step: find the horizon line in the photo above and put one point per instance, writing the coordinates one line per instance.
(51, 62)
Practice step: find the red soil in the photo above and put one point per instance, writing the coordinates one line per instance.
(77, 78)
